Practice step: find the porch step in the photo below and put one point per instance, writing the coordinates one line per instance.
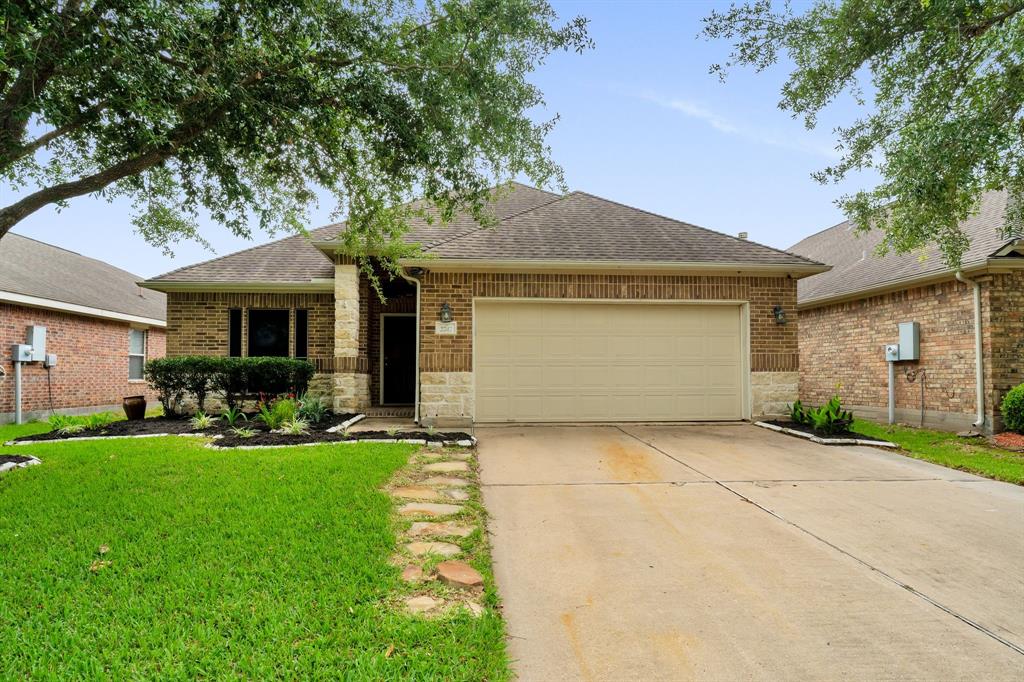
(405, 412)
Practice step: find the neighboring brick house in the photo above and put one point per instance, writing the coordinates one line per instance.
(849, 314)
(99, 323)
(571, 308)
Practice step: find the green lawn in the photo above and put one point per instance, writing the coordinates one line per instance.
(940, 447)
(251, 564)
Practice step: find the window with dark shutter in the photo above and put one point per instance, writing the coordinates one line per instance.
(301, 333)
(235, 332)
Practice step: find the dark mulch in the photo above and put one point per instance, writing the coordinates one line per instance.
(176, 425)
(16, 459)
(804, 428)
(282, 439)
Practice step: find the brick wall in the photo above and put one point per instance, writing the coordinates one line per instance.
(92, 361)
(1005, 366)
(843, 344)
(197, 322)
(774, 347)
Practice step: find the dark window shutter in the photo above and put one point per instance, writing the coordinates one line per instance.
(235, 332)
(301, 333)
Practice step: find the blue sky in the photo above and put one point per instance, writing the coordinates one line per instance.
(642, 122)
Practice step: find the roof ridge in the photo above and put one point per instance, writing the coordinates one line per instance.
(556, 199)
(699, 227)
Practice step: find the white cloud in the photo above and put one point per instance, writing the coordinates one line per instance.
(693, 110)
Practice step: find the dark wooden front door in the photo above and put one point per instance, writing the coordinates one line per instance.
(398, 360)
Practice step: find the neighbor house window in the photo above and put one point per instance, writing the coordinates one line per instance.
(136, 354)
(235, 332)
(268, 333)
(301, 333)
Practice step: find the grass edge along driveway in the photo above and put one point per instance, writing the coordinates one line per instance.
(973, 455)
(159, 558)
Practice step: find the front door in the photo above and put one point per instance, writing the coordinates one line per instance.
(398, 359)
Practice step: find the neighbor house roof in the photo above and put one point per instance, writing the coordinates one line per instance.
(856, 267)
(36, 274)
(533, 226)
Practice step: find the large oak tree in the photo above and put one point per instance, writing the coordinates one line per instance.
(244, 109)
(943, 85)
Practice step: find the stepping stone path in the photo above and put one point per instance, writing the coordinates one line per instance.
(412, 574)
(460, 495)
(446, 482)
(446, 467)
(416, 492)
(440, 548)
(459, 574)
(439, 529)
(422, 604)
(429, 509)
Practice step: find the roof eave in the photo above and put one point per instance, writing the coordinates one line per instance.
(28, 301)
(795, 270)
(989, 266)
(311, 286)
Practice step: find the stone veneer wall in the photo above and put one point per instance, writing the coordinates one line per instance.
(842, 344)
(351, 308)
(447, 361)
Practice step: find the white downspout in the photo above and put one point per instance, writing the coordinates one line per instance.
(416, 403)
(979, 367)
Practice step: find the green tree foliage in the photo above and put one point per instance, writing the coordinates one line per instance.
(243, 110)
(947, 82)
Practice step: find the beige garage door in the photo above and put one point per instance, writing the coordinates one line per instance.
(568, 361)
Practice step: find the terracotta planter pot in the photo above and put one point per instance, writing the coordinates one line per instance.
(135, 407)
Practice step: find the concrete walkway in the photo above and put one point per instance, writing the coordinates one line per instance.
(730, 552)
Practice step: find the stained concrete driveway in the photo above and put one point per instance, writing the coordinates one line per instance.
(728, 552)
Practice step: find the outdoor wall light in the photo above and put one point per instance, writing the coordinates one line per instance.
(780, 314)
(446, 313)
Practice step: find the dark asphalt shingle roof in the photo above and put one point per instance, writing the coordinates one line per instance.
(532, 225)
(33, 268)
(856, 267)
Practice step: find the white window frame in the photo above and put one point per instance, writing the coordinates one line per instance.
(145, 349)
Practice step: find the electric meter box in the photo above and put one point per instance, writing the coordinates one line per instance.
(37, 340)
(910, 341)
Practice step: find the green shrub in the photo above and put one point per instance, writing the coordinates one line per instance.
(312, 409)
(196, 375)
(167, 377)
(1012, 408)
(830, 418)
(275, 414)
(798, 413)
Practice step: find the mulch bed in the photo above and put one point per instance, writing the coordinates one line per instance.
(14, 459)
(179, 425)
(1009, 440)
(282, 439)
(804, 428)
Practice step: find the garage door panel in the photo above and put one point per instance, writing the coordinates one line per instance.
(561, 361)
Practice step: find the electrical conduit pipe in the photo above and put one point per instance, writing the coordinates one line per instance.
(979, 368)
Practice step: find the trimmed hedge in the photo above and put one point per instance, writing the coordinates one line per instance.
(197, 375)
(1013, 409)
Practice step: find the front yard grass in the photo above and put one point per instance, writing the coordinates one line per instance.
(250, 564)
(940, 447)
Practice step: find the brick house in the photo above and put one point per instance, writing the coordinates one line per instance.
(570, 308)
(99, 323)
(848, 315)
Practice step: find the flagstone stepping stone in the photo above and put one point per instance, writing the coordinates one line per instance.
(439, 529)
(422, 604)
(429, 509)
(417, 492)
(460, 495)
(459, 574)
(446, 467)
(458, 454)
(474, 608)
(440, 548)
(412, 574)
(446, 482)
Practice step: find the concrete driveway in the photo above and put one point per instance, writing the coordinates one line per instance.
(730, 552)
